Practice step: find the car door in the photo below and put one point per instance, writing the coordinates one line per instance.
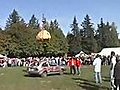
(45, 66)
(54, 68)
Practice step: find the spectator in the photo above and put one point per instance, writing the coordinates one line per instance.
(116, 75)
(78, 65)
(112, 65)
(97, 69)
(72, 63)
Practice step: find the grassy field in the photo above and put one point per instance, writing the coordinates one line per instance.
(16, 79)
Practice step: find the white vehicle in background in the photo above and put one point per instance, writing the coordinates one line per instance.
(45, 68)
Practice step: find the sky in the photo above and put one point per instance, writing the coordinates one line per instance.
(63, 10)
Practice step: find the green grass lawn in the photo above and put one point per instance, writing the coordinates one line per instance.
(16, 79)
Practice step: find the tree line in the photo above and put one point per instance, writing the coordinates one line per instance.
(89, 39)
(18, 39)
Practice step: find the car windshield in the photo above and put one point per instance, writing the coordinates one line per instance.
(53, 64)
(45, 65)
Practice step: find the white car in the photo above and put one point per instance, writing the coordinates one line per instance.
(45, 68)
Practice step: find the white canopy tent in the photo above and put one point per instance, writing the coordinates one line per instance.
(1, 56)
(107, 51)
(81, 53)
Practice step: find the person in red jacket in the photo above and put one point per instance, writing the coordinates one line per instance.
(72, 65)
(78, 65)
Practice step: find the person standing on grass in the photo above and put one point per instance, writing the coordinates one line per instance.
(97, 69)
(112, 65)
(116, 74)
(78, 65)
(72, 63)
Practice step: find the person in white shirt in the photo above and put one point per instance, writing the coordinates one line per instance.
(112, 65)
(97, 69)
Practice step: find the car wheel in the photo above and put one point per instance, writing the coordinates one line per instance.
(44, 74)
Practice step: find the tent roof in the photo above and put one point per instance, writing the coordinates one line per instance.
(1, 56)
(81, 53)
(107, 51)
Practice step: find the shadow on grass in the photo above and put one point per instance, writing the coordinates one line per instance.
(36, 75)
(89, 84)
(27, 75)
(66, 73)
(106, 78)
(24, 70)
(85, 80)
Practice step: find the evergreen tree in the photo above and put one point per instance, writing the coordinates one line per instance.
(106, 35)
(74, 38)
(33, 22)
(114, 35)
(107, 40)
(56, 25)
(45, 24)
(99, 34)
(51, 28)
(22, 21)
(88, 27)
(13, 18)
(89, 42)
(75, 28)
(58, 42)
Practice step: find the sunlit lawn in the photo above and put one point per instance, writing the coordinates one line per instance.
(16, 79)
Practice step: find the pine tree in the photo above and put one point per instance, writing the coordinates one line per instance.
(107, 35)
(107, 41)
(56, 25)
(88, 27)
(114, 35)
(74, 38)
(13, 18)
(89, 42)
(58, 39)
(103, 36)
(33, 22)
(45, 24)
(75, 28)
(99, 34)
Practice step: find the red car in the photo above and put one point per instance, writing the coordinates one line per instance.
(45, 68)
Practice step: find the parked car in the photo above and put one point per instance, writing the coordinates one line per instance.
(45, 68)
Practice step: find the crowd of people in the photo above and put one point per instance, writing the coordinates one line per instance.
(11, 62)
(30, 61)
